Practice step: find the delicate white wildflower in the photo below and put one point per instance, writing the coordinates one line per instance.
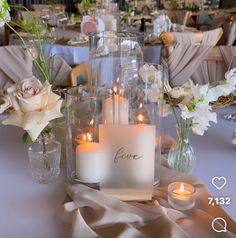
(4, 12)
(225, 87)
(177, 92)
(195, 108)
(155, 92)
(150, 74)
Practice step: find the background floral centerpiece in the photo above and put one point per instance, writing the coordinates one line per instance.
(191, 107)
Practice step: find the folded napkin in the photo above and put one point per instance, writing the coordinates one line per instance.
(78, 40)
(94, 214)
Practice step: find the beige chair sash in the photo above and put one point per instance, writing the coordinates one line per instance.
(60, 71)
(230, 32)
(193, 62)
(15, 64)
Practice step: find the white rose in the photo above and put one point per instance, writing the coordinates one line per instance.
(34, 106)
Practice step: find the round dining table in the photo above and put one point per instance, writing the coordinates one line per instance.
(33, 210)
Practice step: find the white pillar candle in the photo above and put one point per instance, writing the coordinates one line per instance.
(129, 160)
(88, 162)
(115, 110)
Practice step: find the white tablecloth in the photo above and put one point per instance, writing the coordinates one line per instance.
(79, 54)
(32, 210)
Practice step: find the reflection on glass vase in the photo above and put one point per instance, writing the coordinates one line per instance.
(44, 155)
(181, 155)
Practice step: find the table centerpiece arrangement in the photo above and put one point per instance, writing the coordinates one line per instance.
(191, 107)
(30, 102)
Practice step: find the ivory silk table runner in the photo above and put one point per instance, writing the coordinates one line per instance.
(94, 214)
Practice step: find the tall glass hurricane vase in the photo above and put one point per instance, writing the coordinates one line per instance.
(181, 155)
(83, 115)
(110, 52)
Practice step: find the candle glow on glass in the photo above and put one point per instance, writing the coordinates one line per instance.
(88, 155)
(140, 118)
(115, 108)
(182, 193)
(141, 115)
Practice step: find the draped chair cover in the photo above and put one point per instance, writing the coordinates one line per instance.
(59, 69)
(16, 63)
(189, 62)
(207, 37)
(183, 17)
(229, 32)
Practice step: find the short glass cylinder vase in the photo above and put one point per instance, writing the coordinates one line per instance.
(45, 155)
(181, 156)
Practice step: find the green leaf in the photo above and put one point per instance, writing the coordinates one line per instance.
(25, 138)
(47, 130)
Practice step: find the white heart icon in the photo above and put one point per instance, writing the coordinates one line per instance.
(219, 182)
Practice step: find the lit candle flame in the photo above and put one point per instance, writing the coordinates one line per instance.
(115, 89)
(140, 118)
(91, 122)
(140, 105)
(89, 137)
(181, 188)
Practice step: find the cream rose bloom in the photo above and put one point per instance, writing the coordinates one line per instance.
(34, 106)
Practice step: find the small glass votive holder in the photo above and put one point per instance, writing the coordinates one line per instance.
(181, 196)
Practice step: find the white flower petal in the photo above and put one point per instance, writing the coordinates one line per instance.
(6, 103)
(15, 118)
(35, 131)
(31, 119)
(54, 112)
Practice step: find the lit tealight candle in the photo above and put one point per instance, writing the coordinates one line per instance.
(181, 196)
(88, 160)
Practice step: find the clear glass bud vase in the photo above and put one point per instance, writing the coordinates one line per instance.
(44, 155)
(181, 155)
